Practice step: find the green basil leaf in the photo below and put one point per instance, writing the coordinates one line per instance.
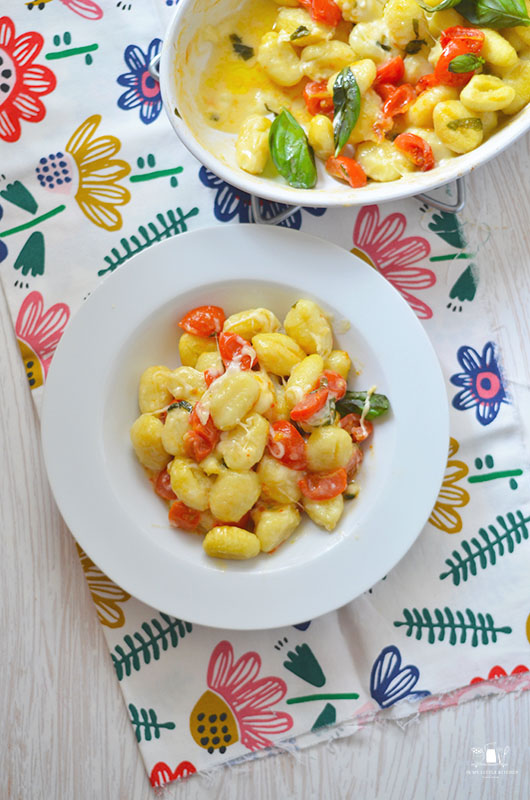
(495, 13)
(414, 46)
(242, 50)
(416, 27)
(291, 152)
(466, 122)
(353, 403)
(384, 46)
(440, 7)
(346, 106)
(466, 63)
(299, 32)
(180, 404)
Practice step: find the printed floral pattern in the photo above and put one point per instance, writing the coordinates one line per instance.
(38, 333)
(142, 90)
(382, 245)
(231, 203)
(87, 9)
(107, 596)
(482, 383)
(22, 82)
(444, 515)
(162, 773)
(87, 167)
(390, 682)
(238, 705)
(498, 672)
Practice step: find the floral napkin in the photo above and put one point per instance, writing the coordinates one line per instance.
(91, 174)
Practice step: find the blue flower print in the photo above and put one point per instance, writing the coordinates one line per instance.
(482, 383)
(142, 89)
(389, 682)
(3, 248)
(231, 203)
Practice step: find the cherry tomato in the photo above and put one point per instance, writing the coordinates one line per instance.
(426, 82)
(203, 321)
(323, 11)
(234, 348)
(471, 38)
(310, 404)
(163, 486)
(287, 445)
(390, 72)
(352, 467)
(336, 384)
(211, 374)
(183, 516)
(324, 486)
(352, 424)
(399, 101)
(317, 98)
(385, 90)
(441, 70)
(202, 438)
(244, 522)
(346, 169)
(417, 149)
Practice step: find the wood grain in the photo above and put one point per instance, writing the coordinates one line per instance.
(65, 730)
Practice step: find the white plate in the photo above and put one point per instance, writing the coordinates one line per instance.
(129, 323)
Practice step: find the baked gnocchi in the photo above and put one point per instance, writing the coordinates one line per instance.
(256, 427)
(374, 89)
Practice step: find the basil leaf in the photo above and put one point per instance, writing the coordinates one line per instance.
(416, 27)
(383, 46)
(466, 63)
(414, 46)
(440, 7)
(466, 122)
(495, 13)
(353, 403)
(299, 32)
(291, 152)
(180, 404)
(243, 50)
(346, 107)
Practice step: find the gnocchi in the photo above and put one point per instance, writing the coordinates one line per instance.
(404, 59)
(254, 429)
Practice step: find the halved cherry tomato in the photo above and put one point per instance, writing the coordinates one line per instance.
(385, 90)
(162, 486)
(317, 98)
(352, 425)
(203, 321)
(310, 404)
(234, 348)
(471, 38)
(183, 516)
(399, 101)
(352, 467)
(417, 149)
(346, 169)
(244, 522)
(323, 11)
(287, 445)
(336, 384)
(426, 82)
(441, 70)
(202, 438)
(324, 486)
(211, 374)
(390, 72)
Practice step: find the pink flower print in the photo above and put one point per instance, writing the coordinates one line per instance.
(38, 334)
(85, 8)
(238, 705)
(380, 243)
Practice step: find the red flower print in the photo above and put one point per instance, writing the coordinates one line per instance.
(162, 774)
(237, 706)
(499, 672)
(380, 243)
(21, 81)
(38, 335)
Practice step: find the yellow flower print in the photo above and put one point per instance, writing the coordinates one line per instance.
(106, 595)
(444, 514)
(88, 170)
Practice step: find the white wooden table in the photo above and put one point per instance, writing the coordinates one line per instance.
(65, 734)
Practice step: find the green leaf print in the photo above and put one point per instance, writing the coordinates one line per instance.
(146, 719)
(326, 717)
(447, 227)
(484, 551)
(31, 257)
(304, 664)
(465, 286)
(140, 648)
(457, 625)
